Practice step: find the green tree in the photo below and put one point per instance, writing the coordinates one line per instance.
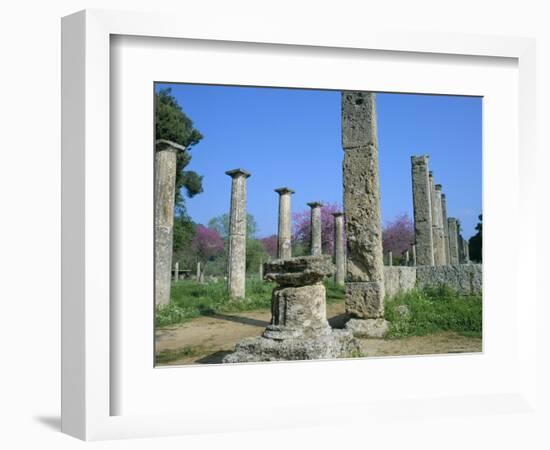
(172, 124)
(183, 234)
(255, 255)
(221, 225)
(476, 242)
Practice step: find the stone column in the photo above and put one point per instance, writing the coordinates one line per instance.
(315, 229)
(453, 241)
(466, 251)
(236, 261)
(439, 230)
(422, 211)
(339, 257)
(445, 228)
(406, 257)
(177, 271)
(198, 272)
(413, 252)
(284, 244)
(390, 259)
(165, 191)
(261, 270)
(365, 259)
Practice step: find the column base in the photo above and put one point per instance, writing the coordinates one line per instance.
(336, 344)
(368, 328)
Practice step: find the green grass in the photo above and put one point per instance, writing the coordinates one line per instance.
(434, 310)
(190, 299)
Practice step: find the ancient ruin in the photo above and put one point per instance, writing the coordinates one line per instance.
(299, 328)
(445, 228)
(364, 260)
(315, 228)
(422, 211)
(176, 271)
(339, 256)
(165, 190)
(236, 264)
(453, 241)
(284, 237)
(438, 229)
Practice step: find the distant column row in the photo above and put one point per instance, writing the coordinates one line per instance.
(437, 237)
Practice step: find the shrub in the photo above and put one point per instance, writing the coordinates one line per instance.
(433, 310)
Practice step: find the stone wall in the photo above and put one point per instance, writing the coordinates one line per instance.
(399, 279)
(465, 278)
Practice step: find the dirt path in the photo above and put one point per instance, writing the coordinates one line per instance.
(208, 339)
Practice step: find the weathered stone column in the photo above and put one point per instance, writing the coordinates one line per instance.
(315, 242)
(453, 241)
(284, 244)
(422, 211)
(236, 267)
(390, 259)
(365, 259)
(198, 271)
(406, 257)
(466, 243)
(261, 270)
(413, 252)
(339, 257)
(165, 191)
(445, 228)
(177, 271)
(439, 230)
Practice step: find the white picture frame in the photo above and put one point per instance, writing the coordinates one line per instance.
(88, 387)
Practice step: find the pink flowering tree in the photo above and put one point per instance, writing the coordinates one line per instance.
(207, 243)
(398, 235)
(270, 245)
(301, 225)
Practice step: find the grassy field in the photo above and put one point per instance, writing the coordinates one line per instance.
(427, 311)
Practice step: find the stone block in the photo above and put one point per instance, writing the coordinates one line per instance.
(365, 300)
(299, 271)
(368, 328)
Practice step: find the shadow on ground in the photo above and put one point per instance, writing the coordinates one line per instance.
(338, 321)
(243, 320)
(214, 358)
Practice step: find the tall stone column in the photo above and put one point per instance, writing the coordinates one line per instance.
(445, 228)
(177, 271)
(466, 251)
(339, 257)
(365, 260)
(261, 270)
(453, 241)
(165, 191)
(315, 229)
(422, 211)
(390, 259)
(439, 230)
(406, 257)
(413, 253)
(198, 271)
(284, 244)
(236, 267)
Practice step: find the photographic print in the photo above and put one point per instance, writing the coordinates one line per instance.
(300, 224)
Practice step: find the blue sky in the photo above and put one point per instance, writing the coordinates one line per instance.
(291, 137)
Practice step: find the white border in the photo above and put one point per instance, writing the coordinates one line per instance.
(85, 367)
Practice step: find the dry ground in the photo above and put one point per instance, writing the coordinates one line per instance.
(208, 339)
